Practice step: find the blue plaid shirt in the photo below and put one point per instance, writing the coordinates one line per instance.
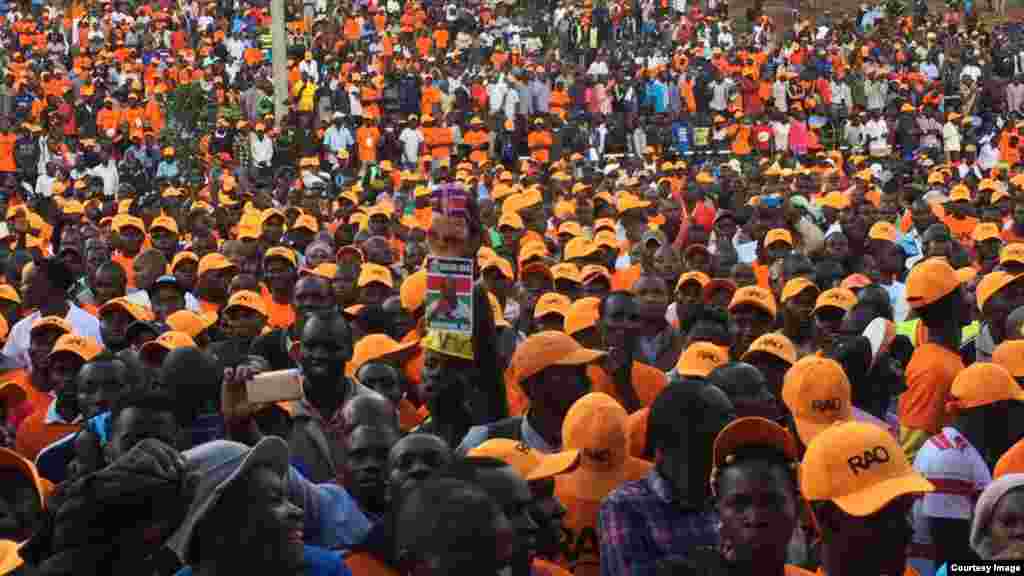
(640, 524)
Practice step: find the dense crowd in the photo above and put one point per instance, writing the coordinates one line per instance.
(523, 288)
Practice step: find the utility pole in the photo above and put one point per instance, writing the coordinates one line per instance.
(280, 60)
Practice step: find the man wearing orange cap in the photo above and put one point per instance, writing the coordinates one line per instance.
(44, 288)
(933, 291)
(623, 375)
(861, 489)
(984, 397)
(549, 369)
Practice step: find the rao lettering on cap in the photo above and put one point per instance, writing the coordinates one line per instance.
(707, 356)
(827, 405)
(772, 343)
(876, 455)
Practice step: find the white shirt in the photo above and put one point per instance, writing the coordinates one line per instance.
(141, 297)
(951, 137)
(16, 348)
(781, 132)
(44, 185)
(108, 173)
(262, 149)
(959, 473)
(898, 298)
(411, 139)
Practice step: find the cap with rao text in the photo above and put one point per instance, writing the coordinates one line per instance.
(859, 467)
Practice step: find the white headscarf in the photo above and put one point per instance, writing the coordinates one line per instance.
(981, 524)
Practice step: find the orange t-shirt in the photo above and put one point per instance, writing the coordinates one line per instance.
(581, 550)
(126, 262)
(648, 382)
(34, 434)
(7, 140)
(930, 375)
(279, 315)
(207, 307)
(365, 564)
(624, 278)
(961, 229)
(25, 400)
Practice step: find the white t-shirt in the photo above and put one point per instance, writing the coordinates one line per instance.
(959, 474)
(16, 348)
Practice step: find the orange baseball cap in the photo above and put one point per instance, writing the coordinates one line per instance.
(527, 462)
(859, 467)
(693, 276)
(981, 384)
(84, 347)
(166, 342)
(503, 266)
(835, 200)
(182, 257)
(930, 281)
(796, 286)
(1012, 253)
(817, 393)
(842, 298)
(579, 247)
(11, 460)
(124, 220)
(1010, 355)
(630, 202)
(189, 322)
(8, 293)
(960, 193)
(606, 224)
(552, 303)
(379, 347)
(164, 223)
(752, 431)
(55, 322)
(754, 296)
(510, 220)
(1011, 462)
(991, 283)
(582, 314)
(778, 235)
(137, 312)
(247, 299)
(883, 231)
(413, 291)
(592, 272)
(855, 281)
(775, 344)
(371, 273)
(286, 254)
(549, 348)
(566, 271)
(986, 231)
(700, 358)
(496, 310)
(570, 227)
(595, 426)
(213, 261)
(606, 239)
(531, 250)
(306, 222)
(326, 270)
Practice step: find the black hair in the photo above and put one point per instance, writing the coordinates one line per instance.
(672, 412)
(149, 400)
(119, 272)
(713, 320)
(827, 273)
(739, 380)
(339, 326)
(757, 454)
(875, 300)
(795, 264)
(456, 518)
(192, 377)
(613, 294)
(57, 273)
(135, 375)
